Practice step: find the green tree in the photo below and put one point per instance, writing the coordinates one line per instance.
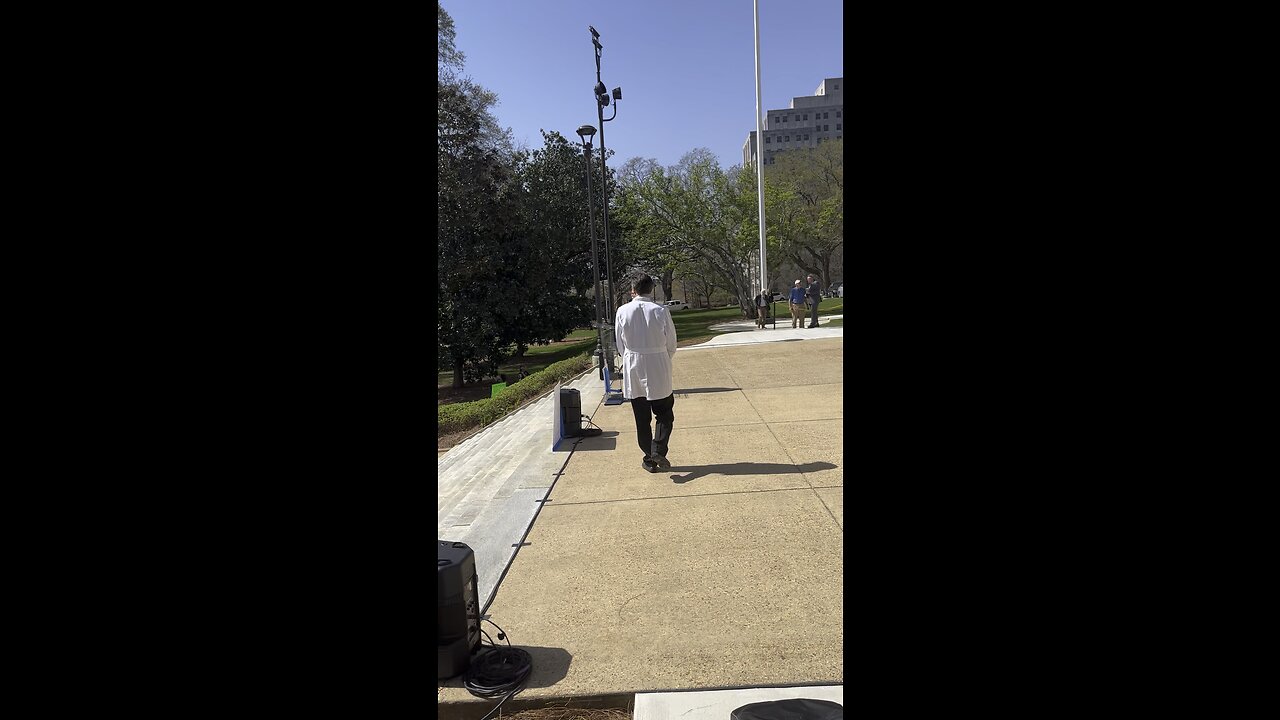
(475, 171)
(552, 246)
(475, 186)
(692, 211)
(448, 57)
(804, 205)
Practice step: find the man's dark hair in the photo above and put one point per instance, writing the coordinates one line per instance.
(643, 285)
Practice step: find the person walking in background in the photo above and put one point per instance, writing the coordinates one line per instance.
(797, 305)
(815, 297)
(646, 340)
(762, 307)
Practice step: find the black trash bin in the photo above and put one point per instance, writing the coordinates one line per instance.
(790, 709)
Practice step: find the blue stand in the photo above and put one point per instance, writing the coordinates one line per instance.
(611, 397)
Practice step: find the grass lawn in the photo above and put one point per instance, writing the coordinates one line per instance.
(692, 327)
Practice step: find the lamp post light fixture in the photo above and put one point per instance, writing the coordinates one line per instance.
(586, 132)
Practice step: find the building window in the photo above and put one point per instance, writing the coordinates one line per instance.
(806, 116)
(768, 140)
(837, 87)
(826, 128)
(786, 139)
(839, 126)
(784, 118)
(837, 113)
(826, 116)
(806, 136)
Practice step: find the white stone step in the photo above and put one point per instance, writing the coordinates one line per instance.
(494, 460)
(485, 473)
(492, 464)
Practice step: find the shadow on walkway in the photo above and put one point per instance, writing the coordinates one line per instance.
(745, 468)
(606, 440)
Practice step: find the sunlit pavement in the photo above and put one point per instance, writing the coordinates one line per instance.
(725, 570)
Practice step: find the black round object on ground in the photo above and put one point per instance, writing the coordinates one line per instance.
(790, 709)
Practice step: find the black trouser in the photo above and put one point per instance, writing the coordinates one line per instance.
(651, 445)
(815, 310)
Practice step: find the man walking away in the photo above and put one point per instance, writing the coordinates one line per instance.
(797, 305)
(762, 307)
(646, 339)
(815, 297)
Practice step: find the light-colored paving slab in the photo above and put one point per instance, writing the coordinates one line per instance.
(812, 441)
(720, 704)
(723, 571)
(804, 402)
(833, 498)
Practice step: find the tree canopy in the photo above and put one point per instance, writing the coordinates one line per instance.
(511, 233)
(699, 223)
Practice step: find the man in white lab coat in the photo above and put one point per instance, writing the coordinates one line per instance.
(646, 339)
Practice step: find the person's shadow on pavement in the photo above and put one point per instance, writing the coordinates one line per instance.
(746, 468)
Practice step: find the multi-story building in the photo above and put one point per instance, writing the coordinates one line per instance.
(810, 121)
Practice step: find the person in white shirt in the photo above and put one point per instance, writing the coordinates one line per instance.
(646, 340)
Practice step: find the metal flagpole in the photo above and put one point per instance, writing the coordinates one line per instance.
(760, 148)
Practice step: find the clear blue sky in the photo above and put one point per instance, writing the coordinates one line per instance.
(686, 67)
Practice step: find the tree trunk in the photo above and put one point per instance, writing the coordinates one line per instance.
(666, 283)
(457, 373)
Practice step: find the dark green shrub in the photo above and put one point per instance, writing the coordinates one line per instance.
(464, 416)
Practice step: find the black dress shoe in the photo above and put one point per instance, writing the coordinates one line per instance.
(649, 466)
(663, 462)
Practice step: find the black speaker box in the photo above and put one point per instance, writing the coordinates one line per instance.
(571, 411)
(458, 608)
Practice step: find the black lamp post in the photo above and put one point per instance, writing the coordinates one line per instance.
(602, 99)
(586, 132)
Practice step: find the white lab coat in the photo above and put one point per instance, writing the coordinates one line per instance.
(646, 341)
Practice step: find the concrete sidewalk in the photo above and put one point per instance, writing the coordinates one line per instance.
(723, 571)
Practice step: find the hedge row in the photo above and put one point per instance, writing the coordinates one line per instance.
(456, 417)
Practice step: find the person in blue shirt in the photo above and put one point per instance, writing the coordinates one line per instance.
(797, 305)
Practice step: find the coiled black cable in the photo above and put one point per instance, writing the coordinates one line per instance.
(496, 671)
